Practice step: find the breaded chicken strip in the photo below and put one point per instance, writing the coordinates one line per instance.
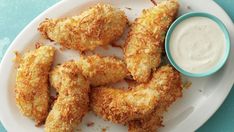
(145, 41)
(99, 25)
(32, 97)
(169, 81)
(73, 100)
(122, 106)
(102, 70)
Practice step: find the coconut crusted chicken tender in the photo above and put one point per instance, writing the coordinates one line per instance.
(99, 25)
(122, 106)
(32, 95)
(169, 85)
(102, 70)
(145, 41)
(73, 100)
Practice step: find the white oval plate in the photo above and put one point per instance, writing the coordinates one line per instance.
(187, 114)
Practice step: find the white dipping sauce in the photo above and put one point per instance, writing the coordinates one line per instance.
(197, 44)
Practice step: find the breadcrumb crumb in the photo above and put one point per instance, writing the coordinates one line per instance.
(90, 124)
(187, 84)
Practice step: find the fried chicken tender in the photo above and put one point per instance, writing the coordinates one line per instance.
(32, 95)
(99, 25)
(169, 83)
(123, 106)
(145, 41)
(102, 70)
(73, 99)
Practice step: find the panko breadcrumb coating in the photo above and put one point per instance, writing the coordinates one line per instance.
(73, 100)
(99, 25)
(145, 41)
(102, 70)
(122, 106)
(32, 94)
(169, 85)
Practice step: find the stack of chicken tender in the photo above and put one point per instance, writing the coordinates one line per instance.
(85, 84)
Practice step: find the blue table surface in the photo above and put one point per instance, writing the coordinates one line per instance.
(16, 14)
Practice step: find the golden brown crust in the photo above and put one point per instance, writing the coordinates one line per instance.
(144, 44)
(31, 90)
(102, 70)
(170, 87)
(99, 70)
(122, 106)
(99, 25)
(73, 99)
(142, 54)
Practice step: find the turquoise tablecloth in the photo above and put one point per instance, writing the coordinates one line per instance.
(16, 14)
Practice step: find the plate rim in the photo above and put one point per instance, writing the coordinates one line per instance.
(195, 126)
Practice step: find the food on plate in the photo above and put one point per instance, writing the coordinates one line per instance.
(32, 94)
(102, 70)
(124, 105)
(145, 41)
(73, 99)
(140, 107)
(168, 83)
(99, 25)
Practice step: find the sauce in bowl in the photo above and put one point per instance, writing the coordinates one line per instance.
(197, 45)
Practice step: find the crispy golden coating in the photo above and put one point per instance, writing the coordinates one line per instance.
(102, 70)
(144, 44)
(31, 89)
(99, 25)
(73, 100)
(122, 106)
(168, 82)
